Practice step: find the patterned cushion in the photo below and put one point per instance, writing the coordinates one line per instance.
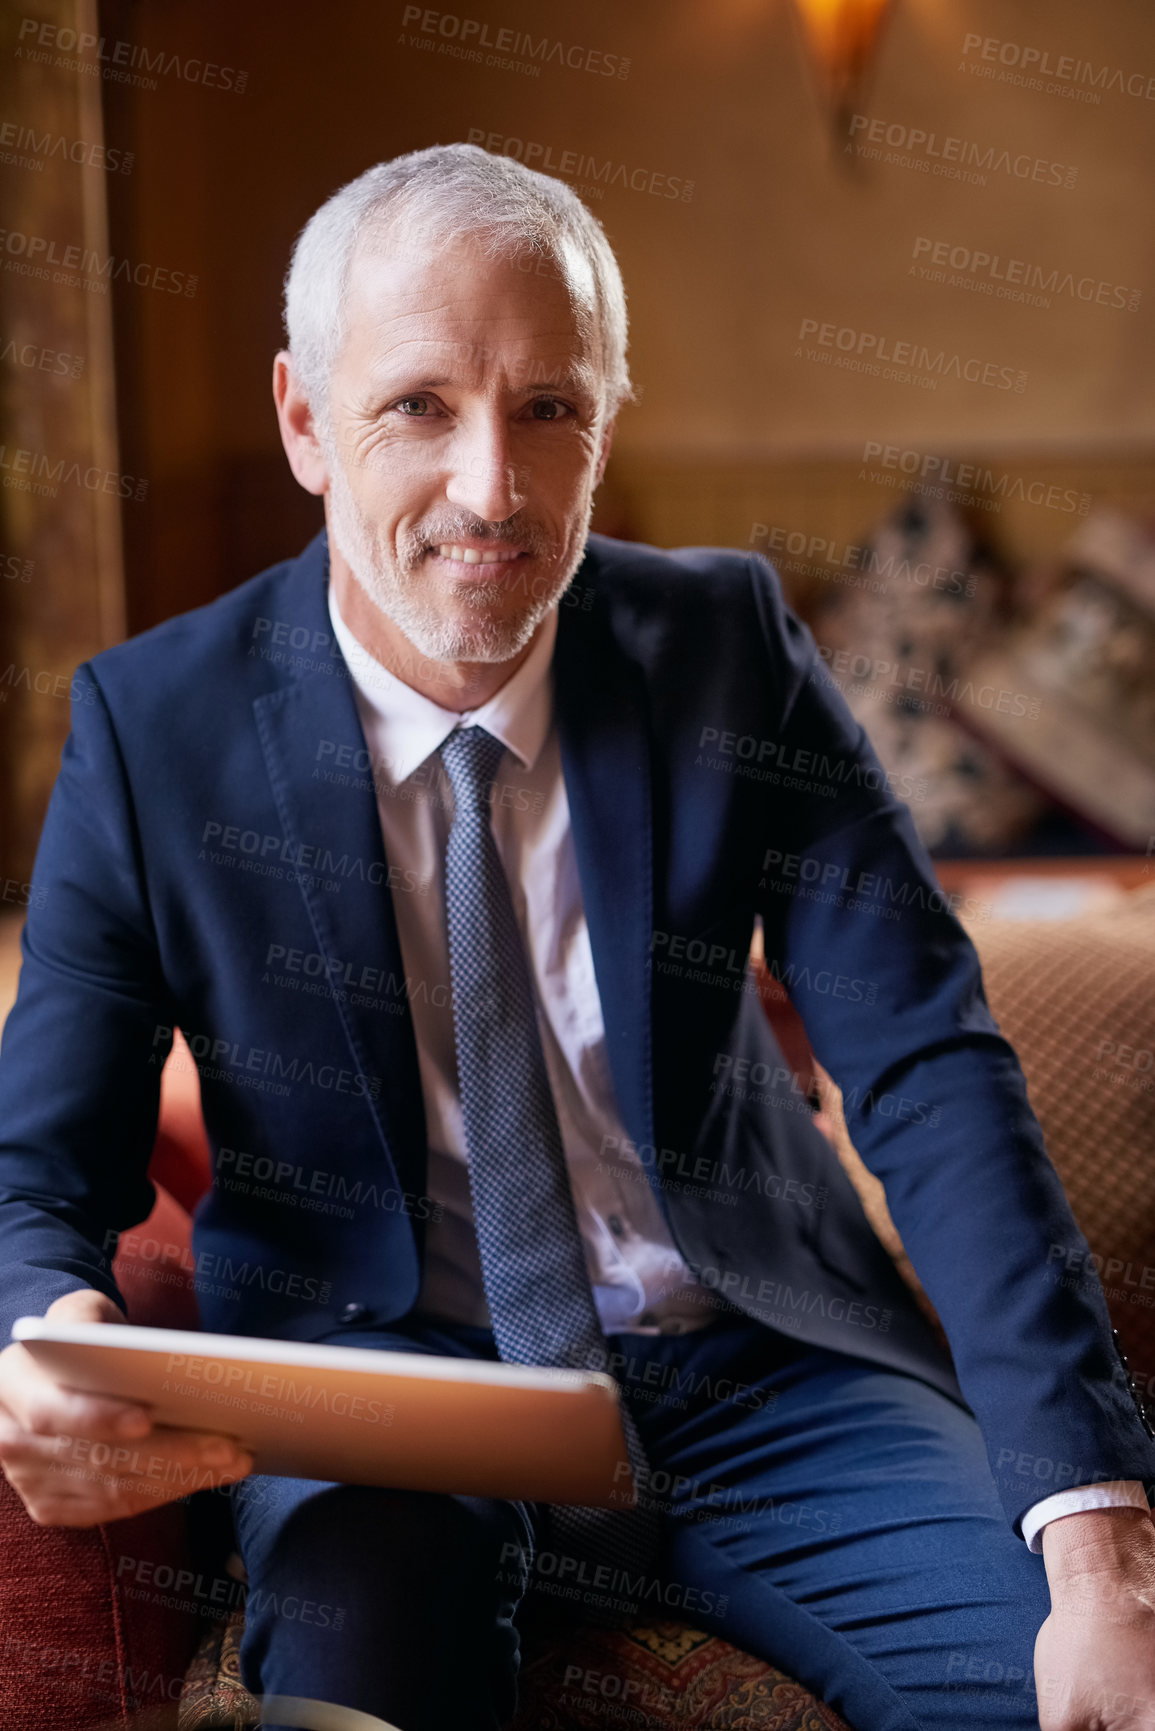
(1076, 999)
(1077, 1002)
(214, 1696)
(654, 1674)
(575, 1679)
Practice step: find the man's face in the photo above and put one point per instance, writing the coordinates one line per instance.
(464, 440)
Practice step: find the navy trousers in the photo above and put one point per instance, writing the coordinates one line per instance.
(835, 1518)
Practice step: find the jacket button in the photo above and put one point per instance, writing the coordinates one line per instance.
(350, 1312)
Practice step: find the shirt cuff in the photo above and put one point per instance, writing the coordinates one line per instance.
(1114, 1494)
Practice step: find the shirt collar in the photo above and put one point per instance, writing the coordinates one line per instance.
(411, 727)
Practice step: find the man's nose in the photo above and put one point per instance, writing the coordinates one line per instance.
(484, 478)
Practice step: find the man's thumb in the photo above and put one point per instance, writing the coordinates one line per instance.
(85, 1305)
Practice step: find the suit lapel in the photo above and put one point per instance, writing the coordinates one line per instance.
(333, 832)
(604, 736)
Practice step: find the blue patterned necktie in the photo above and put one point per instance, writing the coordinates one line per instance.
(532, 1261)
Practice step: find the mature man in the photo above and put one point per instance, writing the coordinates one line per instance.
(475, 775)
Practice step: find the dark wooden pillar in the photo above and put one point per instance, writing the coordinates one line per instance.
(61, 576)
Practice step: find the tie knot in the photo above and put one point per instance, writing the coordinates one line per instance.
(471, 757)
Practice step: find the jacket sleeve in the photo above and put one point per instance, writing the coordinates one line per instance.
(936, 1103)
(87, 1038)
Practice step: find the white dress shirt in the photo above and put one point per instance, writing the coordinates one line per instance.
(640, 1282)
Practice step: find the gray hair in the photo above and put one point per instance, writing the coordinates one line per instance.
(448, 191)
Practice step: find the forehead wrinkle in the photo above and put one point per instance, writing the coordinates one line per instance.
(470, 362)
(399, 285)
(450, 317)
(394, 337)
(455, 312)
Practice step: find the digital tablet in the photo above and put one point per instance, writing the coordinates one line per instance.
(411, 1421)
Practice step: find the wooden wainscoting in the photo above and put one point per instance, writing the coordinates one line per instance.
(1027, 505)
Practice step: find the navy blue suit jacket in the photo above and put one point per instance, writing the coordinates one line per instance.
(213, 815)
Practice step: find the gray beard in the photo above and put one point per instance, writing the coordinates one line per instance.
(395, 586)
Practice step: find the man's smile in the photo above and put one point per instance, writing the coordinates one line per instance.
(467, 553)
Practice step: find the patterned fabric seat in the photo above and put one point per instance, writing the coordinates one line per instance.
(575, 1679)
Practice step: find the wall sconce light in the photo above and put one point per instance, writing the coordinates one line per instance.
(843, 36)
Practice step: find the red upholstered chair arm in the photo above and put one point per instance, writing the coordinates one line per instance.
(93, 1631)
(180, 1156)
(785, 1025)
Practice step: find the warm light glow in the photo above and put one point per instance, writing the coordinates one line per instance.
(843, 35)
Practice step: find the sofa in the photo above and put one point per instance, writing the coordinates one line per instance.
(138, 1623)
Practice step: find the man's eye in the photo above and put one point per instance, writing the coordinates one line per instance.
(413, 407)
(549, 409)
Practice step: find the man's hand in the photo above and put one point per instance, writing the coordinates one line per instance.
(76, 1460)
(1095, 1654)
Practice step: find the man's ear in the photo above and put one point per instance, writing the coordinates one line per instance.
(604, 450)
(298, 432)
